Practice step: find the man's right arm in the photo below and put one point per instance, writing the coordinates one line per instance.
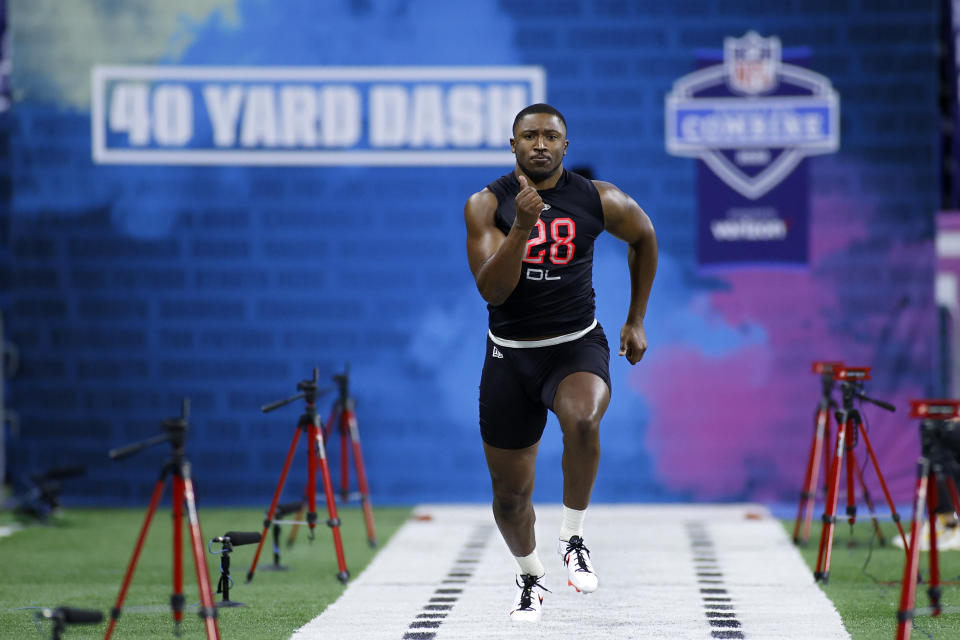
(495, 259)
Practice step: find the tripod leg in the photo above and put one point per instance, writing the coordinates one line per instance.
(873, 512)
(933, 591)
(351, 420)
(806, 493)
(292, 536)
(952, 492)
(344, 461)
(822, 452)
(954, 496)
(908, 586)
(132, 565)
(273, 504)
(334, 522)
(328, 426)
(313, 436)
(851, 477)
(883, 484)
(276, 545)
(827, 458)
(822, 571)
(177, 600)
(809, 491)
(208, 610)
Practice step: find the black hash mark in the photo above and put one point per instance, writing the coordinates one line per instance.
(721, 617)
(444, 597)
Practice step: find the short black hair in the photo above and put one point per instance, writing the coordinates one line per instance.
(540, 107)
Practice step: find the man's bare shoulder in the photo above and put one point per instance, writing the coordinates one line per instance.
(606, 187)
(482, 198)
(481, 205)
(610, 194)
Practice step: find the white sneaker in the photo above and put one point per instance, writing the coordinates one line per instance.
(948, 534)
(529, 600)
(576, 558)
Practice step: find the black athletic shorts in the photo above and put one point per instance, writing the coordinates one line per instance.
(518, 385)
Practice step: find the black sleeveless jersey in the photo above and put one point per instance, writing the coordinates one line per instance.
(555, 292)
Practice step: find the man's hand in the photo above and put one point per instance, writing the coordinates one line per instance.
(529, 205)
(633, 341)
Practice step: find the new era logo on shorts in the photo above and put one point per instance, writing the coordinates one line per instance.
(496, 352)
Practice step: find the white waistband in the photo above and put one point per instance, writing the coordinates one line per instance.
(547, 342)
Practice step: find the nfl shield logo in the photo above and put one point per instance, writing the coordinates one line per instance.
(752, 63)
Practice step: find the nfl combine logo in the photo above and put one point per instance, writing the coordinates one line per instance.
(754, 118)
(752, 63)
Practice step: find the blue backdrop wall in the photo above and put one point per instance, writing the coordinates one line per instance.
(130, 286)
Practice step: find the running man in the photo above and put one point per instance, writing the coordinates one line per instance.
(530, 238)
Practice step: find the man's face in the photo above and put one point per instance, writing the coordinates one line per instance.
(539, 142)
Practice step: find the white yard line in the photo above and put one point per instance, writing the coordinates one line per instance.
(690, 571)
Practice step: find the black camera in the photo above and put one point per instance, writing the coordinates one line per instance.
(939, 431)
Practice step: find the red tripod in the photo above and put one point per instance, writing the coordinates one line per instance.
(850, 428)
(821, 434)
(176, 431)
(935, 465)
(343, 415)
(310, 424)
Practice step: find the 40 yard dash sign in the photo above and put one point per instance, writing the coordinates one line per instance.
(378, 116)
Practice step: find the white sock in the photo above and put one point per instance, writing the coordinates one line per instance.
(530, 565)
(572, 524)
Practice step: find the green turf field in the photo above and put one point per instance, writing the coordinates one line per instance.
(864, 583)
(80, 562)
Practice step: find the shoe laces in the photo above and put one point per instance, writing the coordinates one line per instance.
(526, 593)
(575, 545)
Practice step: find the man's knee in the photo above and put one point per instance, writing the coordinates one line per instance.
(583, 428)
(580, 403)
(510, 502)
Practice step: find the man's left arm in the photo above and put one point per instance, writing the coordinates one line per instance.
(624, 218)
